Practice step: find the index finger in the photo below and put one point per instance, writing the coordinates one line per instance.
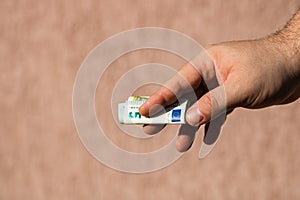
(187, 78)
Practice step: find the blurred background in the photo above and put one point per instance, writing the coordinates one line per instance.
(43, 43)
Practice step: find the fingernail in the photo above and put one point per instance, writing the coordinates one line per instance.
(193, 116)
(142, 108)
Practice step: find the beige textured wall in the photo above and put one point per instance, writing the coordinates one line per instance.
(42, 44)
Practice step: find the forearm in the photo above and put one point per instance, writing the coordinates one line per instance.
(287, 41)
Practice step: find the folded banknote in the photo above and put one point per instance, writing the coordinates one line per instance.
(128, 112)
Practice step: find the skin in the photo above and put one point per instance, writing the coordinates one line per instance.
(254, 74)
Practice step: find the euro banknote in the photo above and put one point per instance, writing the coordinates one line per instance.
(128, 112)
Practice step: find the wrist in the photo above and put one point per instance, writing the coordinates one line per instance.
(287, 50)
(287, 41)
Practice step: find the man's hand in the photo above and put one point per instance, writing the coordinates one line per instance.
(253, 74)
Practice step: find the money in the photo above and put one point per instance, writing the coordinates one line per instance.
(128, 112)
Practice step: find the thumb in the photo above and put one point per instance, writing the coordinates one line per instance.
(211, 105)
